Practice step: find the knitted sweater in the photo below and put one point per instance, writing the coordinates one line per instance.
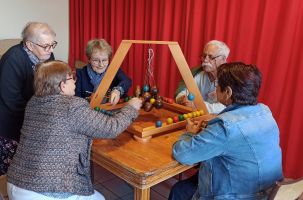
(54, 150)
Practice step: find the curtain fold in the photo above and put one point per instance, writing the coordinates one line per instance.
(267, 33)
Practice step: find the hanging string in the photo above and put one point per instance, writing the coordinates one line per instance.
(149, 75)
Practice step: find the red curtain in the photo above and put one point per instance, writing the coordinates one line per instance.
(268, 33)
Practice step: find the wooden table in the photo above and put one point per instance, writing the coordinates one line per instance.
(142, 165)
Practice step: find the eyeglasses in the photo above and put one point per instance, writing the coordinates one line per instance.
(210, 57)
(97, 61)
(47, 47)
(74, 77)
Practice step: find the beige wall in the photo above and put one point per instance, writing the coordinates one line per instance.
(14, 14)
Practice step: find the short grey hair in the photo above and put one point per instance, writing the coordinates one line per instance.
(223, 48)
(33, 30)
(99, 44)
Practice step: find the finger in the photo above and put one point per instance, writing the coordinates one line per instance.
(113, 97)
(115, 100)
(189, 122)
(188, 103)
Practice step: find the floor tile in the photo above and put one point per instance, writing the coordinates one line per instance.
(129, 196)
(105, 192)
(114, 188)
(101, 175)
(164, 187)
(118, 186)
(156, 196)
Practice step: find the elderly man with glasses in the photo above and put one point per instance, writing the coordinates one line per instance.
(17, 68)
(214, 54)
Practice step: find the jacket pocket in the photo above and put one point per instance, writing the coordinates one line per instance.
(83, 168)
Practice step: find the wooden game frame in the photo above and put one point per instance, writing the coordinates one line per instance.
(182, 65)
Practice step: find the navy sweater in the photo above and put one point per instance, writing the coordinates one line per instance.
(84, 88)
(16, 88)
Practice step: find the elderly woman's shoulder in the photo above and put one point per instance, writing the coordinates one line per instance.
(77, 100)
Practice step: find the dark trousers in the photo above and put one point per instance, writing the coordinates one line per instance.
(7, 150)
(185, 189)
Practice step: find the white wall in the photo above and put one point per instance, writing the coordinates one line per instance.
(14, 14)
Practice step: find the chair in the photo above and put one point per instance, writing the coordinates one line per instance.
(288, 189)
(3, 185)
(79, 64)
(5, 44)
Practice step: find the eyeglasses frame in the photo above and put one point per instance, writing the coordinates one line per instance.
(210, 57)
(46, 47)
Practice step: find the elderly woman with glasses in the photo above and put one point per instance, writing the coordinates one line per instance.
(17, 67)
(89, 77)
(238, 150)
(53, 157)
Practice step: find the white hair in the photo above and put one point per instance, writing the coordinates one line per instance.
(33, 30)
(223, 48)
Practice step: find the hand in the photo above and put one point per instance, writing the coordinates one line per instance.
(193, 126)
(89, 98)
(114, 97)
(184, 101)
(135, 102)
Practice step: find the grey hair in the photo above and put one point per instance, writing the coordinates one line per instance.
(223, 48)
(100, 44)
(33, 30)
(48, 76)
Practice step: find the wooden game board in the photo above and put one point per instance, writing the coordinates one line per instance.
(144, 126)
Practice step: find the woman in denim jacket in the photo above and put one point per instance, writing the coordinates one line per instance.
(238, 151)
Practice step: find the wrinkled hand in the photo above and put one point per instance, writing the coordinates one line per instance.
(135, 102)
(89, 98)
(193, 126)
(183, 100)
(114, 97)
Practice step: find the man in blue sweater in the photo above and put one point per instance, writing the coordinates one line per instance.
(17, 67)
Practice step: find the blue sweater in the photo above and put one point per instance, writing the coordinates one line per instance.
(84, 88)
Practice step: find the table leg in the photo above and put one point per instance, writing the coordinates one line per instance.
(142, 194)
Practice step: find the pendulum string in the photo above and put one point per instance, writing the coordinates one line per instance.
(149, 75)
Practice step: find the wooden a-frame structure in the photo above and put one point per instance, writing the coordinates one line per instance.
(119, 57)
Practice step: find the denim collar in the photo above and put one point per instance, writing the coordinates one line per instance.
(231, 107)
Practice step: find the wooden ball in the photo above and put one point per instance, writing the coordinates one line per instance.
(152, 100)
(159, 103)
(154, 91)
(169, 120)
(169, 100)
(148, 106)
(176, 119)
(145, 88)
(190, 97)
(158, 123)
(181, 117)
(146, 96)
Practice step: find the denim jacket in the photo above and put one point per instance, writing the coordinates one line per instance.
(239, 153)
